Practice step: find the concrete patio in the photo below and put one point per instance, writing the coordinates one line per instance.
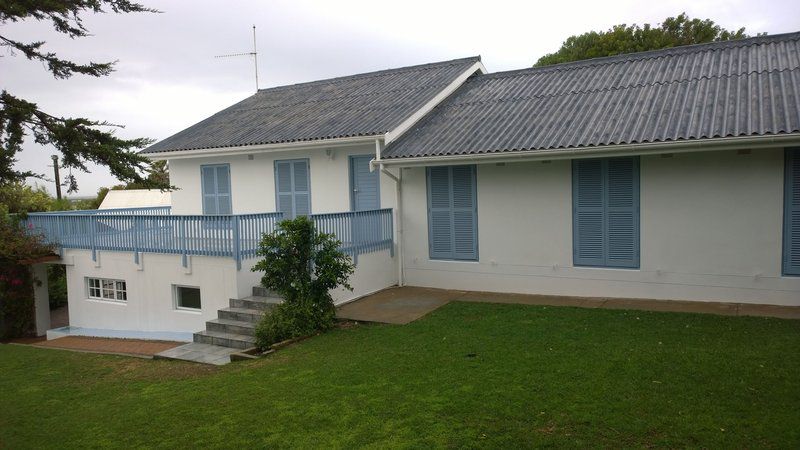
(401, 305)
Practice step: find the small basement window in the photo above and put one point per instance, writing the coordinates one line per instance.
(107, 289)
(187, 297)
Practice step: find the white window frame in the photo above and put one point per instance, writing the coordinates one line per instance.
(97, 287)
(176, 302)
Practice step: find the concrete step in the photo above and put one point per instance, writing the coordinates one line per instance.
(255, 302)
(260, 291)
(222, 339)
(241, 314)
(231, 326)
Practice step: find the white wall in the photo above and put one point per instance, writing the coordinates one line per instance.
(150, 305)
(711, 230)
(374, 272)
(253, 181)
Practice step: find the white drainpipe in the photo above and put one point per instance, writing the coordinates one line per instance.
(398, 182)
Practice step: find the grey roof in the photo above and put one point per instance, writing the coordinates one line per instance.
(737, 88)
(357, 105)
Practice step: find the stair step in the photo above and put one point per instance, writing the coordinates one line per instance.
(224, 339)
(241, 314)
(231, 326)
(255, 302)
(260, 291)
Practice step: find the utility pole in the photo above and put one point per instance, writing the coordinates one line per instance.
(58, 179)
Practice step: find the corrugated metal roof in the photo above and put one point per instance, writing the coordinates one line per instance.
(358, 105)
(737, 88)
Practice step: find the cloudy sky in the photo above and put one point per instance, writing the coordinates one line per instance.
(167, 77)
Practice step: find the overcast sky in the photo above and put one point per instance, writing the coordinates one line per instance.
(167, 77)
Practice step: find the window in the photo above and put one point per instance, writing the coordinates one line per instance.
(105, 289)
(791, 214)
(605, 205)
(452, 213)
(216, 181)
(293, 188)
(187, 297)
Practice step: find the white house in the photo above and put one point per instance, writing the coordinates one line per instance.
(668, 174)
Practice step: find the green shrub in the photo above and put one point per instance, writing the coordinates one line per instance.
(302, 265)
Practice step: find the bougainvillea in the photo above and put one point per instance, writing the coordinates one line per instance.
(18, 248)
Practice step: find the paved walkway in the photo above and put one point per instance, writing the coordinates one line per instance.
(406, 304)
(135, 347)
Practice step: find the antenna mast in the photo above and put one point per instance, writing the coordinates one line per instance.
(254, 54)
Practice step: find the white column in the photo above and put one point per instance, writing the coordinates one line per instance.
(41, 299)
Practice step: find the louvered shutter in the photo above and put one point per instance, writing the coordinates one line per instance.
(208, 181)
(440, 232)
(588, 212)
(452, 213)
(791, 231)
(302, 188)
(283, 188)
(293, 188)
(224, 190)
(465, 215)
(606, 212)
(622, 212)
(216, 189)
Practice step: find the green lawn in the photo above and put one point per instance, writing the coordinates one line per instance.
(482, 375)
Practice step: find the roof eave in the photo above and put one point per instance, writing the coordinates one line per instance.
(729, 143)
(264, 148)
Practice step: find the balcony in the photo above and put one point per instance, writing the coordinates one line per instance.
(155, 230)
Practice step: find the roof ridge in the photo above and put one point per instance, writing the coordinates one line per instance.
(375, 73)
(650, 54)
(613, 88)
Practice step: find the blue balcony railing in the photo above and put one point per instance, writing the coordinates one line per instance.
(155, 230)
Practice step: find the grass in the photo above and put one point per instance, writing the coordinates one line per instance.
(468, 375)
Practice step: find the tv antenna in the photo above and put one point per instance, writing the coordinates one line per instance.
(254, 54)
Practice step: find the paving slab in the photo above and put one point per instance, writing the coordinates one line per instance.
(200, 353)
(397, 305)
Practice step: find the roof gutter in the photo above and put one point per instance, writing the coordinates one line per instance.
(262, 148)
(731, 143)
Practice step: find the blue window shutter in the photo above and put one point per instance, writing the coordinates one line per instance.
(606, 212)
(440, 232)
(216, 189)
(588, 227)
(302, 188)
(465, 214)
(791, 231)
(622, 212)
(292, 188)
(283, 188)
(224, 189)
(365, 185)
(452, 213)
(208, 181)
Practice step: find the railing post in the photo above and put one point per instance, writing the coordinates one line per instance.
(184, 249)
(136, 247)
(237, 249)
(92, 236)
